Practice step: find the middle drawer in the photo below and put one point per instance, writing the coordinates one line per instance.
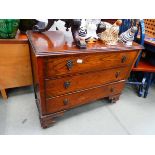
(68, 84)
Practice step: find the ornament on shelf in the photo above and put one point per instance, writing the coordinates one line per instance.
(101, 27)
(91, 30)
(110, 35)
(88, 29)
(82, 34)
(127, 37)
(82, 30)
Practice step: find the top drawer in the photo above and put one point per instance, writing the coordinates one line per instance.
(63, 65)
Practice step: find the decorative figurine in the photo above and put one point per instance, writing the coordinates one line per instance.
(110, 35)
(82, 34)
(91, 30)
(88, 30)
(101, 28)
(127, 37)
(82, 30)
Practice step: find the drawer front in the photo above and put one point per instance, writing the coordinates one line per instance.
(83, 81)
(72, 100)
(87, 62)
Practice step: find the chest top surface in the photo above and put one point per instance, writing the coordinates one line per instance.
(56, 43)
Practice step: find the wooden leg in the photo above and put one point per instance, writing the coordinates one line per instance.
(48, 120)
(4, 95)
(114, 98)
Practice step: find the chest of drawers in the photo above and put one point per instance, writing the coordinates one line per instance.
(65, 77)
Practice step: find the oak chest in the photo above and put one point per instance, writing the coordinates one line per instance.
(65, 77)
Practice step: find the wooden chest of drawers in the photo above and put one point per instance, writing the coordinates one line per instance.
(65, 77)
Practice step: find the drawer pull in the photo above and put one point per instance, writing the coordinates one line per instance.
(69, 64)
(112, 89)
(66, 101)
(123, 59)
(67, 84)
(117, 74)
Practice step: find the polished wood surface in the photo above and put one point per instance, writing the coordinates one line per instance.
(56, 43)
(19, 38)
(68, 101)
(65, 77)
(144, 66)
(77, 82)
(88, 62)
(38, 69)
(15, 66)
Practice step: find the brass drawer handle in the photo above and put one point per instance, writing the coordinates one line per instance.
(123, 59)
(69, 64)
(66, 101)
(117, 74)
(67, 84)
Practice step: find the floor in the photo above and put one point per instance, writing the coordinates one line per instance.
(130, 115)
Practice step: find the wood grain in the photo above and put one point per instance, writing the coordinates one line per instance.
(19, 39)
(4, 95)
(56, 66)
(15, 65)
(144, 66)
(56, 43)
(83, 81)
(38, 81)
(66, 77)
(75, 99)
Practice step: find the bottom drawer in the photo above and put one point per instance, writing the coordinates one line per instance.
(71, 100)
